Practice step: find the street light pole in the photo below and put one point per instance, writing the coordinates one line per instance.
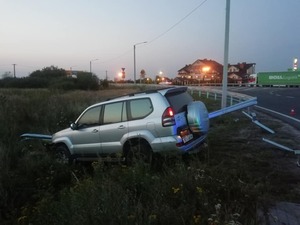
(134, 63)
(226, 47)
(91, 64)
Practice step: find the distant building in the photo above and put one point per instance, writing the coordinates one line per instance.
(201, 71)
(209, 71)
(239, 73)
(72, 73)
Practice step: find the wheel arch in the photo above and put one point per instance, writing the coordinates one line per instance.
(135, 141)
(65, 142)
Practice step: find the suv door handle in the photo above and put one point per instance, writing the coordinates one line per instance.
(121, 127)
(95, 131)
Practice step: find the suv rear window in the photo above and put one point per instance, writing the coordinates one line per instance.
(140, 108)
(178, 100)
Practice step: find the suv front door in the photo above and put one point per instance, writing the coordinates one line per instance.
(85, 137)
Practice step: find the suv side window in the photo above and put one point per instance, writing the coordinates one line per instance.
(140, 108)
(114, 113)
(90, 117)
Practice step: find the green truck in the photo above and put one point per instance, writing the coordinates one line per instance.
(286, 78)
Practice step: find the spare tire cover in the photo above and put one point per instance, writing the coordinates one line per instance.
(197, 117)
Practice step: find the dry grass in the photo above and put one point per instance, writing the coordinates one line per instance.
(235, 174)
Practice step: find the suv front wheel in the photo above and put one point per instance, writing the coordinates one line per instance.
(63, 154)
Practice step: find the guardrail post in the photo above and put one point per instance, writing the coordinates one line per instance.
(231, 100)
(199, 93)
(215, 96)
(207, 94)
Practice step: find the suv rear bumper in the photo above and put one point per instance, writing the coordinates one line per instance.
(169, 145)
(190, 147)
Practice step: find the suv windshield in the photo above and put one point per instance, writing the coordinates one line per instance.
(178, 100)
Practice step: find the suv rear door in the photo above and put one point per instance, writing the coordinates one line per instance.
(113, 127)
(138, 111)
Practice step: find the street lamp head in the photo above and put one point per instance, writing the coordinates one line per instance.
(144, 42)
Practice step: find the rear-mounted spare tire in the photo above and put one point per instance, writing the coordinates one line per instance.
(197, 116)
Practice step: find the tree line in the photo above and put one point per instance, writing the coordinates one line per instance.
(55, 78)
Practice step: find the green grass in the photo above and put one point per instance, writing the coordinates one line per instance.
(233, 175)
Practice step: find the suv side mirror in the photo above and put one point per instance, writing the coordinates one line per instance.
(73, 126)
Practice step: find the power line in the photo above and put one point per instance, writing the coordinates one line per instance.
(162, 34)
(117, 57)
(190, 13)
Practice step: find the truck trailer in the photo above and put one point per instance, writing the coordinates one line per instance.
(270, 79)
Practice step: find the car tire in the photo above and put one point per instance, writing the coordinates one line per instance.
(197, 117)
(63, 154)
(138, 151)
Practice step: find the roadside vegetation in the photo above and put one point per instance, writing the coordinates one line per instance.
(54, 78)
(232, 177)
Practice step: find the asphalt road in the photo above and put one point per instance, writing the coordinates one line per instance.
(282, 100)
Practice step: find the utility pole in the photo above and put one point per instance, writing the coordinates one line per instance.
(91, 64)
(14, 65)
(226, 47)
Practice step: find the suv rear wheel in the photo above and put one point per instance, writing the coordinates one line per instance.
(137, 150)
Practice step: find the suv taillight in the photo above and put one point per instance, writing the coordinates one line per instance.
(168, 117)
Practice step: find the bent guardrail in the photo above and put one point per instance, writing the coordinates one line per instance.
(229, 109)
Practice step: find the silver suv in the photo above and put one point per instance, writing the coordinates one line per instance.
(136, 126)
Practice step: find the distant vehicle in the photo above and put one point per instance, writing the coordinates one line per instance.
(140, 124)
(270, 79)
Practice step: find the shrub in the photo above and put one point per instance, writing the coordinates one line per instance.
(179, 194)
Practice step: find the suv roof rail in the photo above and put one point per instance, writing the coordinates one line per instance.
(176, 89)
(150, 91)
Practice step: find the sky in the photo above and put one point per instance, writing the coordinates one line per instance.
(74, 34)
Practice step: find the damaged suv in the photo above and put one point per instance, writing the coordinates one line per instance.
(136, 126)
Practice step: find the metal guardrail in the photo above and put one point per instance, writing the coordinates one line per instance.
(30, 136)
(235, 101)
(216, 94)
(203, 91)
(238, 101)
(252, 116)
(235, 107)
(285, 148)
